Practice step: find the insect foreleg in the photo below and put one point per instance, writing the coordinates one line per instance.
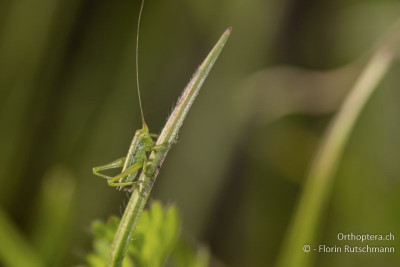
(161, 147)
(118, 163)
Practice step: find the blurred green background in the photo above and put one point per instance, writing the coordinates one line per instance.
(68, 102)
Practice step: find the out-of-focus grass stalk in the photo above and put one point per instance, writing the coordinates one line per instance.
(168, 136)
(318, 186)
(23, 42)
(53, 217)
(14, 249)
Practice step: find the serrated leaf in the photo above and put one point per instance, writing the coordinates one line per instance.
(156, 235)
(153, 240)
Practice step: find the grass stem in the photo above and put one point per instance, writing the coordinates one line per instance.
(167, 137)
(318, 185)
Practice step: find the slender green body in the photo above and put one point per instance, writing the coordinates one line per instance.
(141, 144)
(136, 159)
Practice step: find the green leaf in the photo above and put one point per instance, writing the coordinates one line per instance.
(153, 239)
(320, 179)
(155, 236)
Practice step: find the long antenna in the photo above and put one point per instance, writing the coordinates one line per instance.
(137, 62)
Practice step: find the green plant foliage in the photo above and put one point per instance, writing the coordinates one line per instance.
(155, 236)
(103, 235)
(153, 239)
(185, 256)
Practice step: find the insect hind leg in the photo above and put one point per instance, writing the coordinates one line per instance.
(117, 180)
(118, 163)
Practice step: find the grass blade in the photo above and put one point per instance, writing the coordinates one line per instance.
(168, 135)
(14, 249)
(317, 188)
(53, 215)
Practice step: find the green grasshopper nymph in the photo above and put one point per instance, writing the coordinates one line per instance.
(142, 143)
